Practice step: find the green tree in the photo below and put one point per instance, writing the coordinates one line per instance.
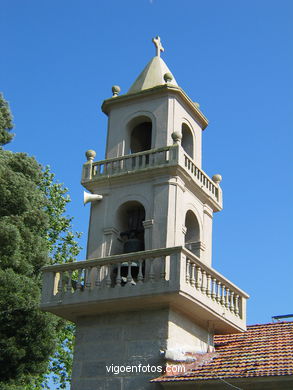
(63, 248)
(5, 122)
(33, 232)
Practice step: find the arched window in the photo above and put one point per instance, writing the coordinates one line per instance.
(192, 235)
(130, 221)
(187, 140)
(140, 130)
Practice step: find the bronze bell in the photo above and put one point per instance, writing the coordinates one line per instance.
(132, 242)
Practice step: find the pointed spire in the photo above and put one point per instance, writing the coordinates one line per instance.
(153, 74)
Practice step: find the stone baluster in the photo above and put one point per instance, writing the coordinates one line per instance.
(163, 268)
(136, 165)
(98, 277)
(209, 290)
(237, 305)
(114, 166)
(60, 283)
(223, 300)
(69, 281)
(122, 164)
(79, 277)
(140, 274)
(108, 277)
(218, 298)
(125, 164)
(187, 274)
(143, 161)
(227, 302)
(151, 273)
(88, 272)
(192, 279)
(198, 278)
(204, 281)
(118, 166)
(166, 156)
(214, 284)
(118, 277)
(232, 306)
(110, 167)
(106, 168)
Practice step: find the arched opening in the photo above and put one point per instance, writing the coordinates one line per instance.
(192, 235)
(187, 140)
(130, 220)
(140, 134)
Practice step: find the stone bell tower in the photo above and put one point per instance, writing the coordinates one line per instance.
(147, 290)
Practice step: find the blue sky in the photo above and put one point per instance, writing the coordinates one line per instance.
(59, 60)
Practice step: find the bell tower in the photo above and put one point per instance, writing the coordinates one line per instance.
(147, 289)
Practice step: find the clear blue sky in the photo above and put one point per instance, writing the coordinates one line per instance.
(59, 60)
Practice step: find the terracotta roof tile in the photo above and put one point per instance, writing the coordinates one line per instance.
(261, 351)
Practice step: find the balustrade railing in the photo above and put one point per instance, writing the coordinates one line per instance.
(132, 162)
(214, 286)
(200, 177)
(110, 272)
(170, 155)
(167, 267)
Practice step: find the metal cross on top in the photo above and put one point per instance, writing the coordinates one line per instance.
(159, 47)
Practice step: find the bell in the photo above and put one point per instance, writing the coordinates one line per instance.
(132, 243)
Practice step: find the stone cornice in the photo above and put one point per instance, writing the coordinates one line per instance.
(160, 90)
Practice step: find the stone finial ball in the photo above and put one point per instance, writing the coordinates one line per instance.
(168, 77)
(196, 105)
(176, 136)
(116, 90)
(217, 179)
(90, 154)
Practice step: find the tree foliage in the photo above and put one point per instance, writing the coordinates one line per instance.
(5, 122)
(34, 231)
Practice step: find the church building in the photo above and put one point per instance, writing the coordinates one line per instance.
(150, 310)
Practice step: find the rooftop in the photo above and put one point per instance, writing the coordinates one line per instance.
(262, 351)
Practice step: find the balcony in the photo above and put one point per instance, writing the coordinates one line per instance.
(171, 158)
(171, 276)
